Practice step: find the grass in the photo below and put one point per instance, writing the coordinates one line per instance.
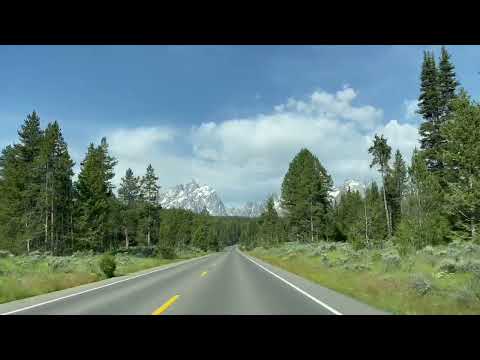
(390, 290)
(25, 276)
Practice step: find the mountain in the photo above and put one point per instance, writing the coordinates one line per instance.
(195, 197)
(192, 196)
(250, 209)
(349, 185)
(255, 208)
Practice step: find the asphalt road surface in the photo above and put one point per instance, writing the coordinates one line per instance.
(225, 283)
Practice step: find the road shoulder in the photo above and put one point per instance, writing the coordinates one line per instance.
(342, 303)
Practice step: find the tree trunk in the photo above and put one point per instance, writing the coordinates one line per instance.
(472, 228)
(148, 238)
(366, 221)
(46, 208)
(311, 222)
(386, 208)
(51, 227)
(472, 216)
(28, 246)
(126, 238)
(71, 229)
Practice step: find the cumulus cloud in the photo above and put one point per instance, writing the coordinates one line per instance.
(135, 148)
(131, 143)
(336, 106)
(246, 158)
(411, 107)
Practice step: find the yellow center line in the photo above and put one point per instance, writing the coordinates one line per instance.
(204, 273)
(165, 306)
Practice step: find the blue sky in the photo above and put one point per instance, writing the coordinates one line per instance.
(207, 112)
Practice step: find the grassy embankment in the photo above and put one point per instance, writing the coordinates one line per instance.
(25, 276)
(434, 280)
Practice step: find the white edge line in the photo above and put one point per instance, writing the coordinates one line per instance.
(295, 287)
(101, 287)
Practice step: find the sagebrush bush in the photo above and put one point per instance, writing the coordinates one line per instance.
(448, 266)
(391, 261)
(108, 265)
(420, 284)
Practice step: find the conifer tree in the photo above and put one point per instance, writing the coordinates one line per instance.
(437, 90)
(149, 193)
(381, 152)
(396, 181)
(94, 189)
(447, 82)
(21, 186)
(305, 197)
(422, 220)
(462, 156)
(268, 223)
(129, 195)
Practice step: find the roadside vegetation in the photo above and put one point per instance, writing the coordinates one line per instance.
(434, 280)
(38, 273)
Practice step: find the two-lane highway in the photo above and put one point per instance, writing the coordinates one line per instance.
(226, 283)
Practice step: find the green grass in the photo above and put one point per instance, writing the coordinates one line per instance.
(387, 290)
(23, 276)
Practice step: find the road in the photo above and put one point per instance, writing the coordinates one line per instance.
(225, 283)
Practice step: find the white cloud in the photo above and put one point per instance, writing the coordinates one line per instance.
(411, 107)
(130, 143)
(136, 148)
(338, 105)
(246, 158)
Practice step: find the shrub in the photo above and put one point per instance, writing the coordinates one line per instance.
(428, 249)
(59, 264)
(376, 256)
(471, 266)
(167, 252)
(464, 297)
(448, 266)
(315, 252)
(430, 259)
(391, 261)
(357, 267)
(108, 265)
(358, 244)
(420, 285)
(474, 287)
(5, 254)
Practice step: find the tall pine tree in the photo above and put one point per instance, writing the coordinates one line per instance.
(305, 197)
(381, 153)
(462, 156)
(95, 190)
(149, 189)
(437, 90)
(129, 194)
(395, 185)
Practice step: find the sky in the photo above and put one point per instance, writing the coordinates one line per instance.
(231, 117)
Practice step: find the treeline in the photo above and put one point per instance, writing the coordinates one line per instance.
(42, 208)
(434, 200)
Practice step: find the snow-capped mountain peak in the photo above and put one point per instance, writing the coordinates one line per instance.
(348, 185)
(193, 196)
(256, 208)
